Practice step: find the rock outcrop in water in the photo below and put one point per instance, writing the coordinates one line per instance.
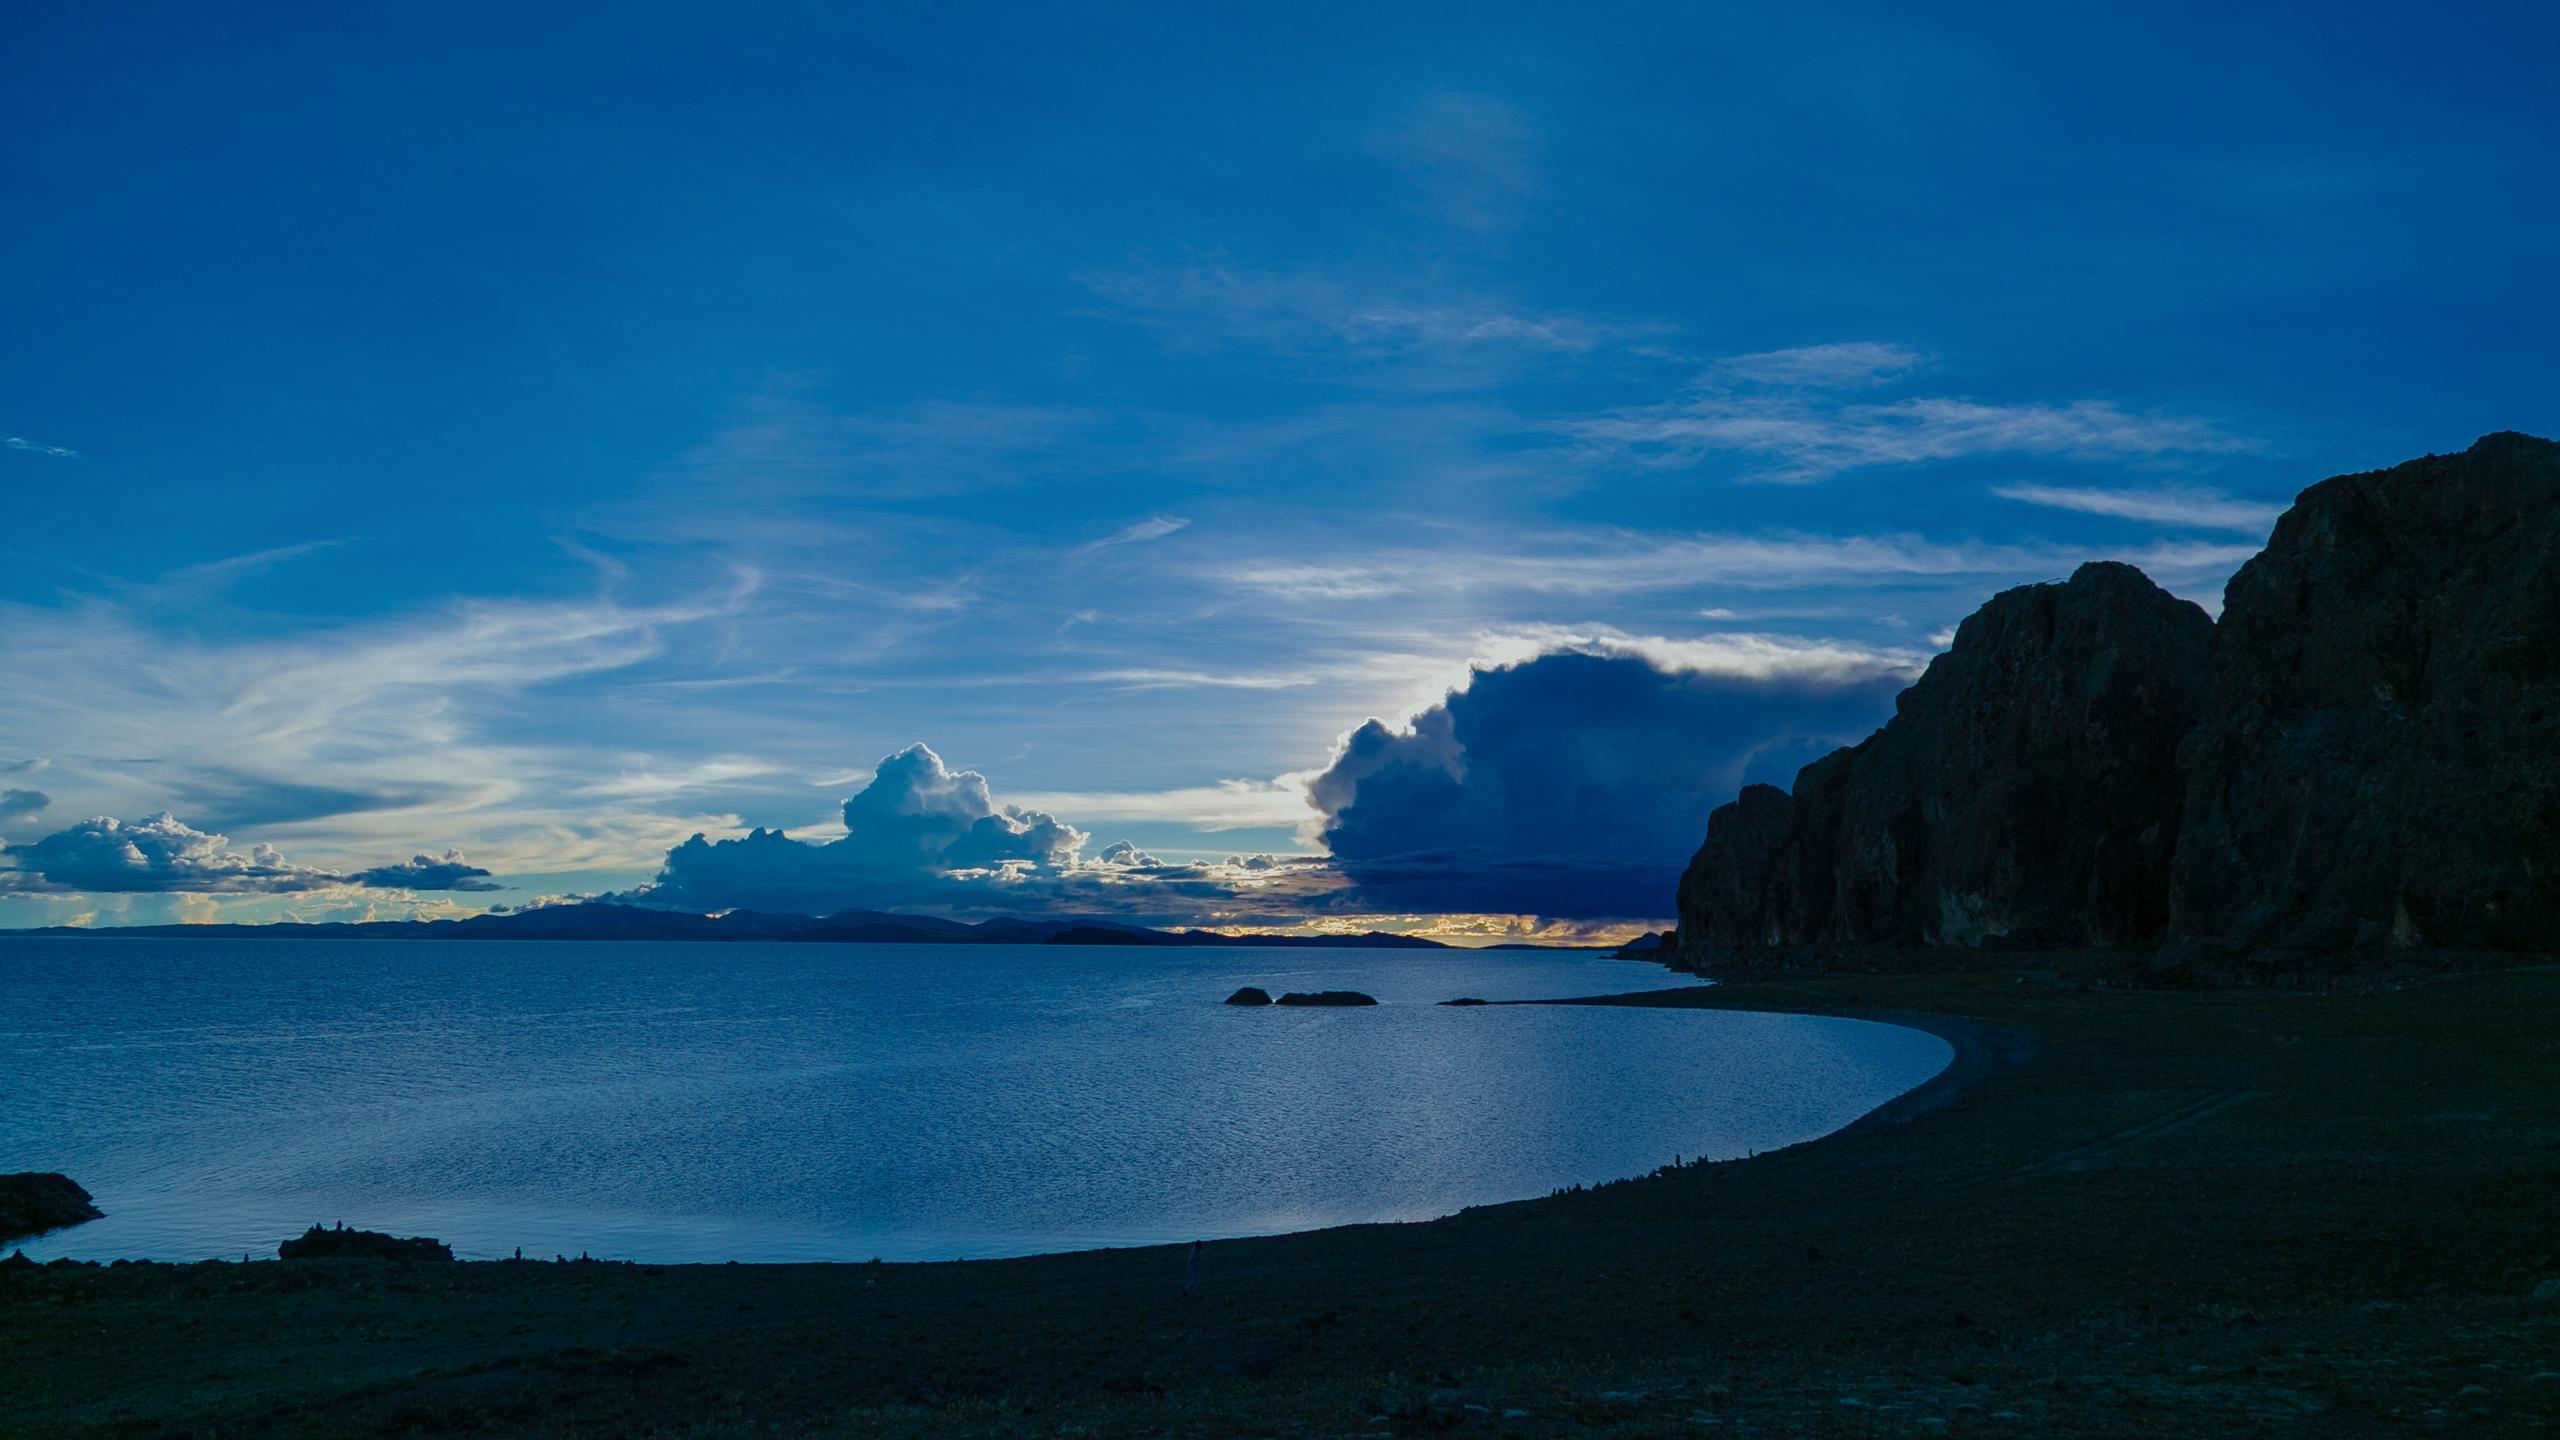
(342, 1243)
(2381, 766)
(2025, 791)
(1250, 995)
(35, 1201)
(2364, 753)
(1326, 997)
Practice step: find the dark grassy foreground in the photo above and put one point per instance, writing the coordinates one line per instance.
(2199, 1213)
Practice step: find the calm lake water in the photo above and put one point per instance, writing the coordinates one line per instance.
(682, 1102)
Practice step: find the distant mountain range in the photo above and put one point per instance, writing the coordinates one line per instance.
(598, 921)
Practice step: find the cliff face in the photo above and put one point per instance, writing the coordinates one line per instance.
(2026, 790)
(2364, 753)
(1724, 894)
(2381, 765)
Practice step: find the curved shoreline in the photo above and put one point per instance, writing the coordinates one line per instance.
(1978, 1050)
(2193, 1214)
(1981, 1048)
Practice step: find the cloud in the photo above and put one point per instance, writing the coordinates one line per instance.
(2180, 506)
(1847, 363)
(1782, 407)
(1473, 158)
(1195, 679)
(427, 872)
(229, 799)
(358, 737)
(785, 443)
(1123, 852)
(658, 783)
(921, 836)
(1336, 314)
(191, 584)
(162, 855)
(155, 855)
(1153, 528)
(1735, 655)
(1576, 784)
(19, 807)
(1597, 562)
(20, 442)
(1227, 805)
(918, 833)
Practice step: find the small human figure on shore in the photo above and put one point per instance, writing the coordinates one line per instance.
(1191, 1273)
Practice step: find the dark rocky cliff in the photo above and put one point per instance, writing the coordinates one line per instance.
(2382, 762)
(2364, 753)
(2026, 790)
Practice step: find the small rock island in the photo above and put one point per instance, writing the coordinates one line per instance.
(319, 1243)
(1327, 997)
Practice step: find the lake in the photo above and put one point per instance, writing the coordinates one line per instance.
(775, 1102)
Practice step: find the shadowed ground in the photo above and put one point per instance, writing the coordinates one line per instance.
(2206, 1213)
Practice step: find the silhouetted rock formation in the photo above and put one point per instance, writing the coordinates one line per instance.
(2026, 791)
(2382, 762)
(1327, 997)
(1250, 995)
(35, 1201)
(2365, 753)
(1727, 897)
(345, 1244)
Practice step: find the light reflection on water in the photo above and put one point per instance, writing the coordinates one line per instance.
(801, 1102)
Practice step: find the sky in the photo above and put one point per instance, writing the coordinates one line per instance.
(1393, 468)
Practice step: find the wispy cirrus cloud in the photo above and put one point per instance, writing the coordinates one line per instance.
(1154, 527)
(366, 734)
(1340, 314)
(787, 441)
(192, 581)
(1845, 363)
(1801, 416)
(1622, 562)
(1804, 439)
(2182, 507)
(1473, 159)
(1178, 679)
(20, 442)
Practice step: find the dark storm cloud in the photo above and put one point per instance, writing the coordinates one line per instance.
(427, 872)
(20, 807)
(1573, 785)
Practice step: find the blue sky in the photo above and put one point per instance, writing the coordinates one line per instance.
(472, 430)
